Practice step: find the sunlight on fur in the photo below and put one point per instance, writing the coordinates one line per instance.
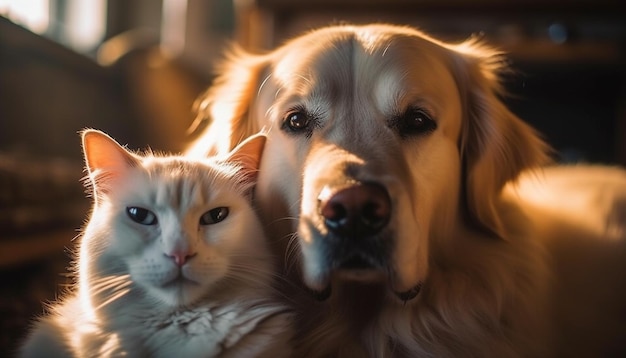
(386, 187)
(564, 191)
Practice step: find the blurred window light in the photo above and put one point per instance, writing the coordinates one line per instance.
(86, 23)
(174, 26)
(79, 24)
(32, 14)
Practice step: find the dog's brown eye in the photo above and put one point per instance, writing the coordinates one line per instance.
(297, 121)
(414, 121)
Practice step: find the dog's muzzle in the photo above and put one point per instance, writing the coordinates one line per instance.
(358, 242)
(354, 216)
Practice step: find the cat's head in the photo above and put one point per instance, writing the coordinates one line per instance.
(176, 228)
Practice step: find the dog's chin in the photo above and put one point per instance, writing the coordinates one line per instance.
(363, 263)
(322, 290)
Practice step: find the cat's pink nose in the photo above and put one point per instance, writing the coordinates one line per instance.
(181, 257)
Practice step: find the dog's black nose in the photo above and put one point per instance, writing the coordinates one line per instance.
(359, 210)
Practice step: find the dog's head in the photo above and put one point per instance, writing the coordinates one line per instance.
(382, 142)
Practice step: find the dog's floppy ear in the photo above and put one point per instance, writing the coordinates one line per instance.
(496, 146)
(225, 105)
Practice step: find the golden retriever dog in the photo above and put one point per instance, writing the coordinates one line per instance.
(389, 188)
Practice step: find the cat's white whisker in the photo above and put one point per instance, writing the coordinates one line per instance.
(113, 286)
(292, 252)
(109, 280)
(112, 298)
(285, 218)
(110, 284)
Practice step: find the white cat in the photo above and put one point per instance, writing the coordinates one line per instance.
(172, 263)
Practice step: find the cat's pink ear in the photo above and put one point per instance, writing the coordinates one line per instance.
(248, 155)
(105, 158)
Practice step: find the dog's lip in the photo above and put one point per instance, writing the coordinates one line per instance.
(320, 294)
(411, 293)
(362, 275)
(357, 262)
(321, 287)
(359, 267)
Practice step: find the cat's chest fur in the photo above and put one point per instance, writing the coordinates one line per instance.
(209, 330)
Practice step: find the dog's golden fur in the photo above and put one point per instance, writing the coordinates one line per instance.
(477, 264)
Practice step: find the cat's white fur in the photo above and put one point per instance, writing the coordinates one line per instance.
(178, 286)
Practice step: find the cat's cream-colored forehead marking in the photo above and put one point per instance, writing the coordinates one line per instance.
(182, 184)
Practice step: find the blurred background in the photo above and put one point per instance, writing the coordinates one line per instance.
(133, 69)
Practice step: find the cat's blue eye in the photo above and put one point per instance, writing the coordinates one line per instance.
(214, 216)
(141, 216)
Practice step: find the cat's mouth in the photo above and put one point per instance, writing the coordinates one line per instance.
(180, 280)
